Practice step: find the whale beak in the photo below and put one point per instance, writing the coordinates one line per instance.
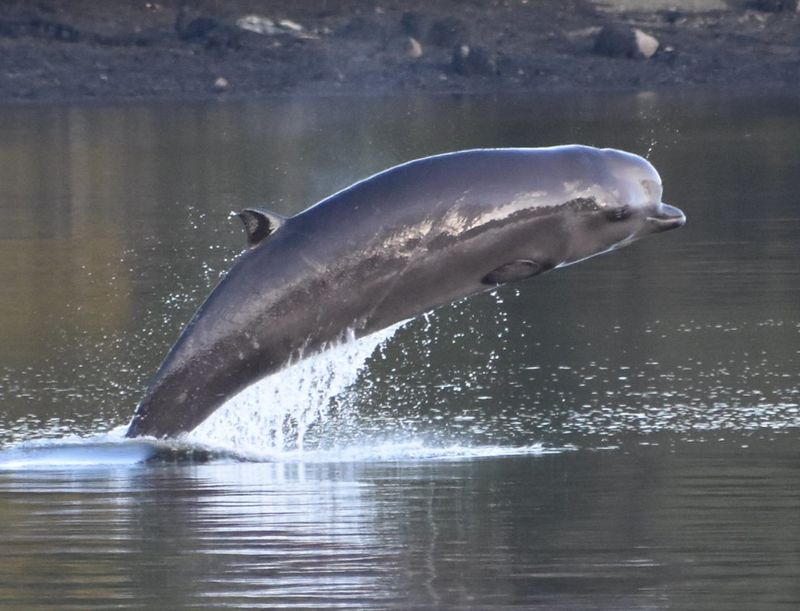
(667, 217)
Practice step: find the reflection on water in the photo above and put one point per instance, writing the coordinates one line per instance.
(701, 527)
(670, 368)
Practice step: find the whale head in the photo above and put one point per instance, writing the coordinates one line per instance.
(619, 214)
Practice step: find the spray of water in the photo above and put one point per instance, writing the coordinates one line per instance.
(316, 410)
(273, 416)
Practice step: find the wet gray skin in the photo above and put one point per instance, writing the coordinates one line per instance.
(390, 247)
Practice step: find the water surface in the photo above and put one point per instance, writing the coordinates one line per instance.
(621, 434)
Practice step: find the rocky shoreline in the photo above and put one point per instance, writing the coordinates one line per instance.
(77, 50)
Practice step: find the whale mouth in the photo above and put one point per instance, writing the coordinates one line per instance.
(668, 217)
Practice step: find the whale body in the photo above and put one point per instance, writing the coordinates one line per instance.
(390, 247)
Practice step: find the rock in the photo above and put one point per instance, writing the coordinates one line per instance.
(190, 29)
(291, 26)
(470, 61)
(772, 6)
(647, 45)
(673, 16)
(617, 41)
(258, 25)
(210, 32)
(413, 48)
(447, 32)
(221, 84)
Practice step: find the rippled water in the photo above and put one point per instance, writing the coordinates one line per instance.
(621, 434)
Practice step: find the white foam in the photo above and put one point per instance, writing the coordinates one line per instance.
(269, 422)
(75, 452)
(274, 415)
(412, 450)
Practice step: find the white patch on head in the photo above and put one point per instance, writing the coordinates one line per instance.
(653, 190)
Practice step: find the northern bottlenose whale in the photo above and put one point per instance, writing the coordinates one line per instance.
(397, 244)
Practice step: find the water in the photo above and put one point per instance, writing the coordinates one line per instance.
(621, 434)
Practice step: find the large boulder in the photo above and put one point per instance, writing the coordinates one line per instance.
(622, 41)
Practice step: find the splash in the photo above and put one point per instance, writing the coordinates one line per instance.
(72, 452)
(295, 416)
(275, 415)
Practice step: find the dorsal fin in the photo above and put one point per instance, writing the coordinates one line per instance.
(259, 224)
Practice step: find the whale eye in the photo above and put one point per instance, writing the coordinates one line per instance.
(620, 213)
